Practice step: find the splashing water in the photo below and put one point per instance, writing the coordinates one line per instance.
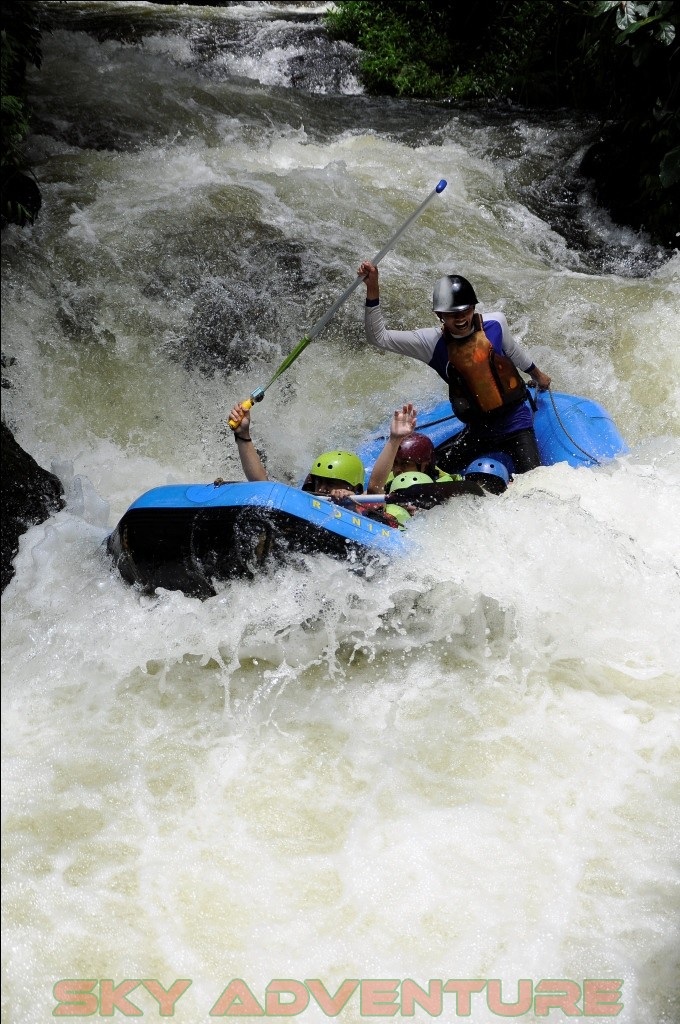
(461, 764)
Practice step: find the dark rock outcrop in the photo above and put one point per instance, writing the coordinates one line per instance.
(627, 183)
(29, 495)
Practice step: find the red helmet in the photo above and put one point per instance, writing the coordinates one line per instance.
(416, 448)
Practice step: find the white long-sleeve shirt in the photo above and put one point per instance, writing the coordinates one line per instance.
(422, 343)
(429, 345)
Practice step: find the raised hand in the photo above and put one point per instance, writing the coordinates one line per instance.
(403, 422)
(369, 272)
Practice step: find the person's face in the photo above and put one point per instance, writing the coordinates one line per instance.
(459, 322)
(324, 485)
(400, 466)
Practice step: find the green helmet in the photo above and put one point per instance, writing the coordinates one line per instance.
(408, 480)
(399, 513)
(339, 466)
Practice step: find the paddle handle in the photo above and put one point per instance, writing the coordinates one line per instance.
(407, 223)
(248, 403)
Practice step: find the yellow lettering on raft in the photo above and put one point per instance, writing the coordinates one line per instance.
(315, 503)
(356, 521)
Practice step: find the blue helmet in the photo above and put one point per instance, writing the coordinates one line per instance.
(491, 473)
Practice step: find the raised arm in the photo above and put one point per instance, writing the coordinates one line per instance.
(250, 460)
(402, 425)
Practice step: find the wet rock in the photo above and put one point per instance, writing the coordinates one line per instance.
(245, 282)
(29, 495)
(6, 362)
(627, 182)
(21, 198)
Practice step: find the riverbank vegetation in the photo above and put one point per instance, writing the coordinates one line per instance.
(617, 59)
(20, 31)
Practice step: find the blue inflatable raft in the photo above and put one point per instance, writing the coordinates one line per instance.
(568, 429)
(186, 536)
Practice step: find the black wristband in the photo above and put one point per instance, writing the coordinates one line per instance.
(244, 439)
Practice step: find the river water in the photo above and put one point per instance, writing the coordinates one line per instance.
(463, 765)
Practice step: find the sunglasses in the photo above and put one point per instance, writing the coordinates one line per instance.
(456, 312)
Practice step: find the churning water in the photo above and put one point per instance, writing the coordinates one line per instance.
(463, 765)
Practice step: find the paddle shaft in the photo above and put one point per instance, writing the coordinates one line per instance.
(320, 324)
(423, 495)
(258, 394)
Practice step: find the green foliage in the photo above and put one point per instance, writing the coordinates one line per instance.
(670, 168)
(631, 16)
(412, 48)
(645, 67)
(460, 51)
(616, 57)
(20, 39)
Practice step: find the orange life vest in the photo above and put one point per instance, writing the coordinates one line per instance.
(481, 380)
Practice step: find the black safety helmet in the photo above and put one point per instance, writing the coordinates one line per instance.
(452, 293)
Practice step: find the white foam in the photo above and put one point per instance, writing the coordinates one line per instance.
(459, 764)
